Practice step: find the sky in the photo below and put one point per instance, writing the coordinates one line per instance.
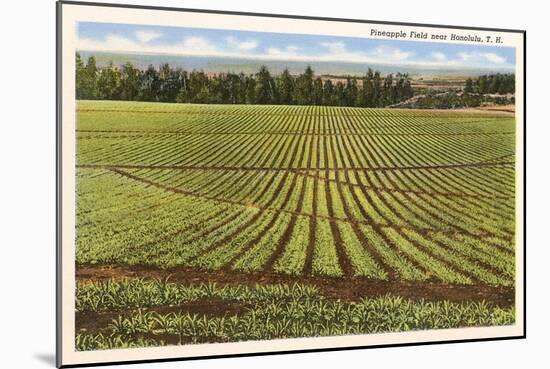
(109, 37)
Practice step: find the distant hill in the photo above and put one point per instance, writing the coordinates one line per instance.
(249, 66)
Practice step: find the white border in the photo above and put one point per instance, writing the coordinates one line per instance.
(75, 13)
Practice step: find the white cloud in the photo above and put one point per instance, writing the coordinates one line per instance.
(465, 56)
(334, 47)
(338, 51)
(328, 52)
(115, 43)
(481, 58)
(147, 36)
(197, 45)
(391, 53)
(193, 45)
(111, 43)
(494, 58)
(439, 56)
(247, 45)
(290, 52)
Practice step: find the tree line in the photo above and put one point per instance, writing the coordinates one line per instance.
(166, 84)
(492, 84)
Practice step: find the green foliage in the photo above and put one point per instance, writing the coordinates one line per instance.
(325, 260)
(165, 84)
(415, 196)
(293, 259)
(217, 187)
(86, 78)
(362, 261)
(98, 296)
(469, 86)
(285, 88)
(277, 311)
(304, 88)
(88, 342)
(265, 87)
(495, 83)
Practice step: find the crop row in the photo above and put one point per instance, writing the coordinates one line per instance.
(236, 150)
(277, 311)
(333, 192)
(201, 136)
(175, 230)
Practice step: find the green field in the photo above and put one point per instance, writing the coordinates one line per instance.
(259, 313)
(308, 194)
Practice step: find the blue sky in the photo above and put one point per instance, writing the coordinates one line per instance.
(293, 47)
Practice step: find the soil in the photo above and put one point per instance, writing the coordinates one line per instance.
(347, 289)
(93, 322)
(499, 108)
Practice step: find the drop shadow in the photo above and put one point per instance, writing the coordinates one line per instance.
(46, 358)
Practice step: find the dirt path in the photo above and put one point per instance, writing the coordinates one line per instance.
(281, 169)
(348, 289)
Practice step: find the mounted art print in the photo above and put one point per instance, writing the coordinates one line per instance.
(239, 184)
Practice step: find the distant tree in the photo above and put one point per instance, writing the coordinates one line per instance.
(149, 85)
(494, 84)
(469, 86)
(80, 78)
(368, 89)
(183, 93)
(339, 95)
(108, 83)
(86, 78)
(198, 87)
(317, 91)
(362, 93)
(508, 84)
(233, 87)
(264, 86)
(389, 93)
(285, 88)
(350, 92)
(502, 87)
(377, 98)
(242, 88)
(250, 84)
(166, 84)
(169, 83)
(408, 91)
(328, 93)
(482, 85)
(399, 87)
(303, 94)
(217, 92)
(129, 82)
